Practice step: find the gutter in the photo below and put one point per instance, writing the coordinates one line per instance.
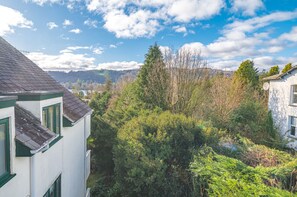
(44, 147)
(73, 122)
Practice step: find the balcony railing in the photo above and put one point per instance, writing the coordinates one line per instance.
(88, 164)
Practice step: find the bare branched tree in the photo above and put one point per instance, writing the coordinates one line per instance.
(186, 69)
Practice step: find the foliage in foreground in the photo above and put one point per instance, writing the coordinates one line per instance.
(218, 175)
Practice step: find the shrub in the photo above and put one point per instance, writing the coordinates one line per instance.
(217, 175)
(252, 120)
(153, 154)
(250, 153)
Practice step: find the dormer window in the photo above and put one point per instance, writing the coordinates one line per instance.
(294, 94)
(51, 118)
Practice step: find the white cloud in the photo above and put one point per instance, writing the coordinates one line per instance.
(67, 23)
(255, 23)
(180, 29)
(247, 8)
(137, 24)
(165, 49)
(119, 65)
(63, 61)
(98, 50)
(244, 39)
(76, 31)
(144, 18)
(273, 49)
(51, 25)
(196, 47)
(112, 46)
(72, 49)
(75, 48)
(91, 23)
(42, 2)
(291, 36)
(187, 10)
(224, 64)
(11, 18)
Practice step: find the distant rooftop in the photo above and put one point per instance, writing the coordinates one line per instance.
(279, 76)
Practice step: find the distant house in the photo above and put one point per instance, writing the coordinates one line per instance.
(283, 103)
(43, 132)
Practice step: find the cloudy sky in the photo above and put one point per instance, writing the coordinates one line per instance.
(116, 34)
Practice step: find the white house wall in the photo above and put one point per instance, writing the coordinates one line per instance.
(73, 176)
(20, 184)
(279, 104)
(47, 168)
(66, 157)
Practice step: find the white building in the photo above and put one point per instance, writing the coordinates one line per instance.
(43, 132)
(283, 103)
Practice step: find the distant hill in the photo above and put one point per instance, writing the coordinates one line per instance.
(91, 75)
(98, 75)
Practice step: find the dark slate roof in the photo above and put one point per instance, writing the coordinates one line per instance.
(19, 74)
(29, 131)
(280, 76)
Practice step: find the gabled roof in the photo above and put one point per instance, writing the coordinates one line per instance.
(18, 74)
(29, 131)
(279, 76)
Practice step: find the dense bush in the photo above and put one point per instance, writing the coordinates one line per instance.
(153, 154)
(251, 119)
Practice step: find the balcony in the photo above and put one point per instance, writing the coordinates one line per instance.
(88, 193)
(88, 164)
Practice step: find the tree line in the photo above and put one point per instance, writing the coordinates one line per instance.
(170, 131)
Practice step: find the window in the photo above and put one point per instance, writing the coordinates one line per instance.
(51, 118)
(294, 94)
(4, 149)
(293, 125)
(55, 189)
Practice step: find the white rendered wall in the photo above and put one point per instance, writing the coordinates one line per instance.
(280, 105)
(20, 184)
(47, 168)
(73, 177)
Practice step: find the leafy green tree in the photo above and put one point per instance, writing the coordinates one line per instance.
(108, 83)
(273, 70)
(153, 79)
(287, 68)
(102, 140)
(99, 103)
(153, 154)
(247, 73)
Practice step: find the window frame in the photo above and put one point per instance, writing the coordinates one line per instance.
(4, 178)
(293, 94)
(57, 188)
(292, 125)
(55, 122)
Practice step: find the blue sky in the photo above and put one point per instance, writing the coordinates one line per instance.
(116, 34)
